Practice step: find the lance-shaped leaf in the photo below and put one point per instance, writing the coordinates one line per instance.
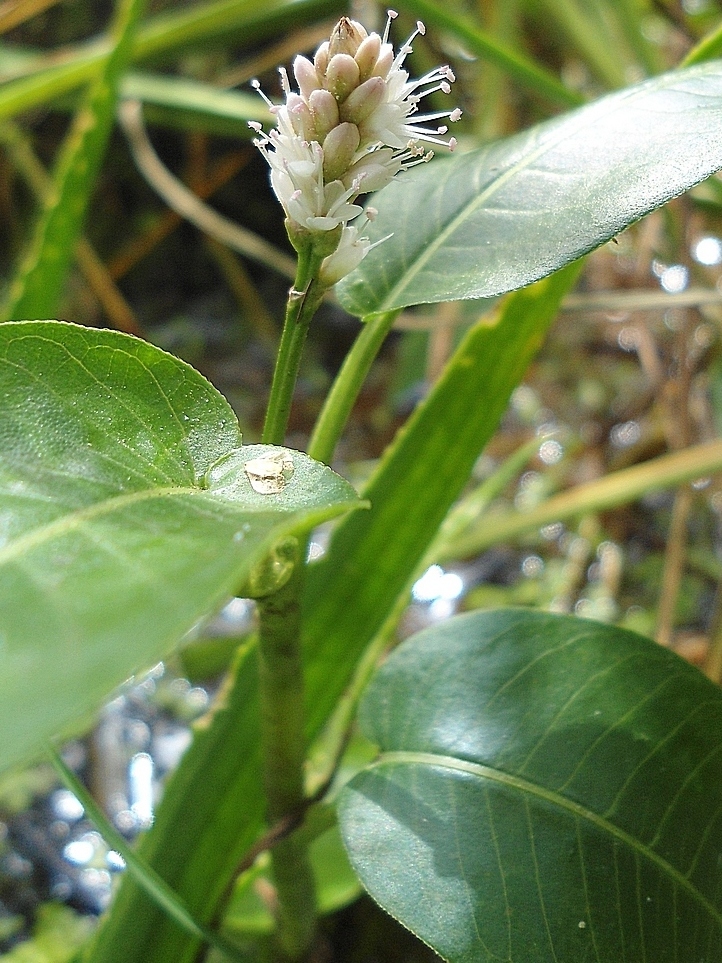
(478, 224)
(547, 791)
(126, 514)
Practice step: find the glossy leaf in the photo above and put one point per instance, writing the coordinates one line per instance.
(371, 559)
(547, 790)
(126, 515)
(485, 222)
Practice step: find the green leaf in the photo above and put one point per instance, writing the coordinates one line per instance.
(478, 224)
(547, 791)
(126, 515)
(353, 589)
(39, 283)
(192, 105)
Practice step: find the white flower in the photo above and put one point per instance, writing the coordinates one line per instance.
(352, 126)
(351, 250)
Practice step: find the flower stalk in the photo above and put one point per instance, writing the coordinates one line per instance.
(284, 750)
(304, 299)
(352, 125)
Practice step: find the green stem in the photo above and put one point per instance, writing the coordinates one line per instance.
(284, 750)
(303, 301)
(347, 385)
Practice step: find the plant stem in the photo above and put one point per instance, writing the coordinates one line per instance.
(303, 301)
(284, 749)
(347, 385)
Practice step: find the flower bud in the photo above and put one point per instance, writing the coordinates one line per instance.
(324, 108)
(348, 255)
(385, 62)
(339, 148)
(306, 76)
(300, 116)
(321, 59)
(346, 37)
(363, 101)
(367, 55)
(373, 171)
(342, 75)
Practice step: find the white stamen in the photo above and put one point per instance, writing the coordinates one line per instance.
(391, 15)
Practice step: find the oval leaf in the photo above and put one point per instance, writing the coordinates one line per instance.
(126, 514)
(548, 791)
(478, 224)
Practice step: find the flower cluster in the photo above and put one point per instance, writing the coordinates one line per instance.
(352, 126)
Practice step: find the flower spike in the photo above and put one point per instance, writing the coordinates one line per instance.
(352, 126)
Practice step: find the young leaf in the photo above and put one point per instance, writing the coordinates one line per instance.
(548, 790)
(478, 224)
(126, 512)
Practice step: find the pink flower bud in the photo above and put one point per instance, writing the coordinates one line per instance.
(300, 116)
(367, 55)
(385, 62)
(363, 101)
(373, 171)
(321, 58)
(339, 148)
(324, 108)
(342, 75)
(306, 76)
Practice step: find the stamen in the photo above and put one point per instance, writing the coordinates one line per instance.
(256, 84)
(423, 118)
(391, 15)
